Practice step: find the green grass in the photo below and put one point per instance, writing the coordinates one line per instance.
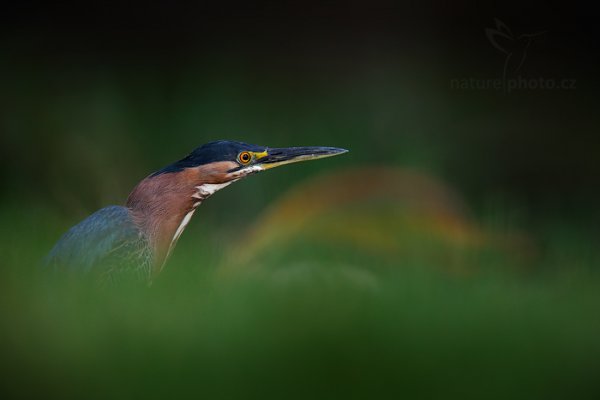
(326, 325)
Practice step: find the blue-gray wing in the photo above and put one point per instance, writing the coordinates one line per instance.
(107, 242)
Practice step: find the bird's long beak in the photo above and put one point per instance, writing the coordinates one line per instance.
(287, 155)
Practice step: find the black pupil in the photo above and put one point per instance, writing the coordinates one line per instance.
(245, 157)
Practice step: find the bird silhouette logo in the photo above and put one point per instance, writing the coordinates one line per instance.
(513, 47)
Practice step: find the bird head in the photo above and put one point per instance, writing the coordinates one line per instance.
(224, 161)
(163, 203)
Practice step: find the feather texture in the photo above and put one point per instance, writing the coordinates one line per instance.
(106, 243)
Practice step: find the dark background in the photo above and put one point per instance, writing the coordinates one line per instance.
(376, 76)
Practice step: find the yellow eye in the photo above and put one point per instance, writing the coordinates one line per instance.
(245, 157)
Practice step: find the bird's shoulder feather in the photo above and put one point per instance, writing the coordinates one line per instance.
(106, 242)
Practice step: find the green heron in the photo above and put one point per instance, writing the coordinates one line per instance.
(139, 237)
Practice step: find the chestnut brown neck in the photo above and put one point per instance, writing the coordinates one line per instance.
(162, 205)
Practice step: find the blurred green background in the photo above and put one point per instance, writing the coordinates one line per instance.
(452, 252)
